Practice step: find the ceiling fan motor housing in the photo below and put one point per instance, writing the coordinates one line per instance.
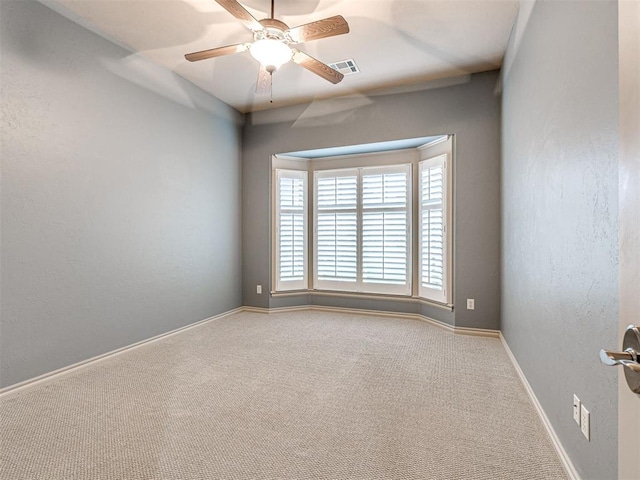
(273, 29)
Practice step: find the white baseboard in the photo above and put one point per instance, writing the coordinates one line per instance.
(60, 371)
(295, 308)
(564, 457)
(481, 332)
(477, 332)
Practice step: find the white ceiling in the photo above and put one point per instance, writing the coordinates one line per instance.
(394, 42)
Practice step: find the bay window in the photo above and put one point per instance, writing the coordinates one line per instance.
(366, 229)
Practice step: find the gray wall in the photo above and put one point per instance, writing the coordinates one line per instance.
(470, 110)
(120, 208)
(559, 192)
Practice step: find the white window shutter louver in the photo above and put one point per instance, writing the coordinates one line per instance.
(432, 229)
(385, 228)
(336, 228)
(362, 229)
(291, 224)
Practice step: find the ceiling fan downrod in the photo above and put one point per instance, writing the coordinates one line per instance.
(272, 8)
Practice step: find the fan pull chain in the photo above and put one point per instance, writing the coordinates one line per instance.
(271, 87)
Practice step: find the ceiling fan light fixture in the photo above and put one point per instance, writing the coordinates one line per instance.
(272, 54)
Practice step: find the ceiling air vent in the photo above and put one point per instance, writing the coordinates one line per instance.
(345, 67)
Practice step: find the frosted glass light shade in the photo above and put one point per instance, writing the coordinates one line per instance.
(271, 53)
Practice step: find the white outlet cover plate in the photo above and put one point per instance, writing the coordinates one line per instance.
(471, 304)
(584, 422)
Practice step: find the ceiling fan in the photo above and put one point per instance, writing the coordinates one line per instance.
(272, 40)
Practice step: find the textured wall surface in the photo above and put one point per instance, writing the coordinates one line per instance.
(120, 208)
(559, 194)
(470, 110)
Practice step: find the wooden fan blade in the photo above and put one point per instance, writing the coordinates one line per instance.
(217, 52)
(263, 85)
(329, 27)
(238, 11)
(317, 67)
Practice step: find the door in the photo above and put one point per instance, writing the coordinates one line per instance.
(629, 226)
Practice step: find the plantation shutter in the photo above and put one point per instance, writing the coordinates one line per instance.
(362, 225)
(291, 230)
(385, 229)
(336, 250)
(432, 229)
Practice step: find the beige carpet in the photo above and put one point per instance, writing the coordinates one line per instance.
(295, 395)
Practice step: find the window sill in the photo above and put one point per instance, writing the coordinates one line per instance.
(367, 296)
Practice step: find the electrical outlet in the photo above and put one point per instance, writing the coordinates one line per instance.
(584, 422)
(576, 409)
(259, 289)
(471, 304)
